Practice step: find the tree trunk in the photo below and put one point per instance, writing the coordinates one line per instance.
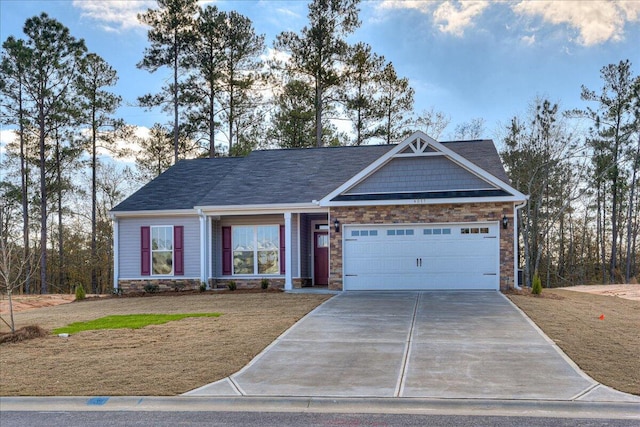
(61, 267)
(23, 187)
(94, 165)
(212, 124)
(176, 129)
(43, 202)
(319, 107)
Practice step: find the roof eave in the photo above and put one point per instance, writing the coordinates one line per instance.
(158, 212)
(440, 201)
(261, 209)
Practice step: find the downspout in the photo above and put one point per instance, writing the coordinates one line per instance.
(516, 208)
(116, 252)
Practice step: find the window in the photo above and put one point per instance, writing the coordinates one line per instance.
(475, 230)
(256, 249)
(356, 233)
(162, 250)
(400, 232)
(430, 231)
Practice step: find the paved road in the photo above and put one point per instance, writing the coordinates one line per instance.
(454, 345)
(285, 419)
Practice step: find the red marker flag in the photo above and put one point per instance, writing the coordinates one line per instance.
(601, 317)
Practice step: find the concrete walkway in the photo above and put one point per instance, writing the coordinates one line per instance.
(435, 345)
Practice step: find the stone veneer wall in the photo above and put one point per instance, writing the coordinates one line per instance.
(257, 283)
(416, 214)
(164, 285)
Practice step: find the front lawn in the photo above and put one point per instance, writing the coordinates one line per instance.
(163, 359)
(600, 333)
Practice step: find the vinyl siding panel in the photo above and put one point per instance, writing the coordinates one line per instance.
(129, 244)
(419, 174)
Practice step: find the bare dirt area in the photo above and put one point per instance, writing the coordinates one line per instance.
(156, 360)
(629, 291)
(29, 302)
(597, 331)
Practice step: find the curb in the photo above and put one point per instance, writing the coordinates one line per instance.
(529, 408)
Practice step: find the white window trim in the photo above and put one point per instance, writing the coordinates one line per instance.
(173, 251)
(255, 252)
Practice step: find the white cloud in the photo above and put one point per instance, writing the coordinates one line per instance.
(422, 6)
(596, 21)
(451, 16)
(455, 17)
(114, 15)
(528, 40)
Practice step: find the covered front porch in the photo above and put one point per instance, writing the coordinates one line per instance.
(289, 249)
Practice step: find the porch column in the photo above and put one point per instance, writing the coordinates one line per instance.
(116, 252)
(288, 256)
(203, 248)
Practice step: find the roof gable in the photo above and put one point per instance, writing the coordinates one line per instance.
(422, 168)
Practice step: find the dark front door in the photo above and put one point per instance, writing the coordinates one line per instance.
(320, 259)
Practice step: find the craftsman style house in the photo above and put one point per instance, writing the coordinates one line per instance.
(421, 214)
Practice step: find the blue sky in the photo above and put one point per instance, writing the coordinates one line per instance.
(467, 59)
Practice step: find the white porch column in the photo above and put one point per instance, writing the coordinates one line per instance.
(288, 255)
(116, 252)
(203, 248)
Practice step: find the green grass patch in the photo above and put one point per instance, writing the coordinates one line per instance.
(131, 321)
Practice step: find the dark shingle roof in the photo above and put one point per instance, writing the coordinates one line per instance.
(483, 154)
(181, 186)
(277, 176)
(291, 176)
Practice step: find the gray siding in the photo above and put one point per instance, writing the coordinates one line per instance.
(419, 174)
(129, 244)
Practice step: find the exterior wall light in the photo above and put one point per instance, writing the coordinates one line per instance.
(505, 222)
(336, 225)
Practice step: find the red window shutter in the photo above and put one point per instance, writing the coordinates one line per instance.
(178, 250)
(145, 251)
(282, 250)
(226, 251)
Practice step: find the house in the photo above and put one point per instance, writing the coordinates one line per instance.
(421, 214)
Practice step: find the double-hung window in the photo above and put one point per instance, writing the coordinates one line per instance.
(162, 250)
(256, 249)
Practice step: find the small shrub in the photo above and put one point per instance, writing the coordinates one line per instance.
(264, 283)
(80, 293)
(151, 288)
(232, 285)
(203, 287)
(536, 287)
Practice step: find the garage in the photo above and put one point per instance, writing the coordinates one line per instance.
(461, 256)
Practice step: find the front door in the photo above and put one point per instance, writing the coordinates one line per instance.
(321, 259)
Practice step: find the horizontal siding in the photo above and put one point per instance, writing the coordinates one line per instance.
(129, 244)
(420, 174)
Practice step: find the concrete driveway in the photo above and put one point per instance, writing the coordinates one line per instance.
(413, 344)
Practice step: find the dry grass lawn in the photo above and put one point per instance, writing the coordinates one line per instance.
(156, 360)
(609, 349)
(179, 356)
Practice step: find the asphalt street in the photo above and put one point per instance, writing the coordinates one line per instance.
(286, 419)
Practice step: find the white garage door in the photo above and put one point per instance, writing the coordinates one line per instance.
(418, 257)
